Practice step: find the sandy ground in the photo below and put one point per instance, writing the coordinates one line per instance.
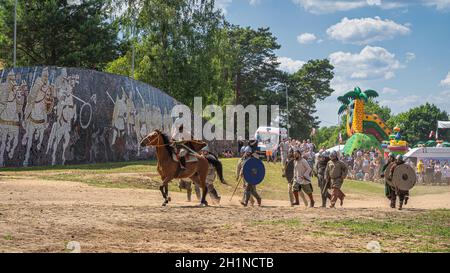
(42, 216)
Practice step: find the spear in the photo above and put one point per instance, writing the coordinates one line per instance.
(237, 184)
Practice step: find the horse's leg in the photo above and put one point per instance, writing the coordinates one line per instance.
(4, 136)
(66, 139)
(15, 142)
(164, 188)
(41, 137)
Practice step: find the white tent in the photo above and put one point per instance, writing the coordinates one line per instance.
(429, 153)
(443, 124)
(337, 148)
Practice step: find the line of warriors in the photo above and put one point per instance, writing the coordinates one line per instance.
(329, 170)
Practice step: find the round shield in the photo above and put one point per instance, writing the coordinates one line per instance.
(404, 177)
(254, 171)
(289, 171)
(386, 175)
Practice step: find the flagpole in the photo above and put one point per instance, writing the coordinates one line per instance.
(15, 34)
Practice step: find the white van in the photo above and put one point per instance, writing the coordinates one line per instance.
(269, 138)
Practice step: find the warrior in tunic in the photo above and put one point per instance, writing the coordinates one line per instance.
(319, 171)
(335, 173)
(302, 178)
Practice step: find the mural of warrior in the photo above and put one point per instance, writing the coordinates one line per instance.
(66, 112)
(12, 98)
(119, 119)
(39, 104)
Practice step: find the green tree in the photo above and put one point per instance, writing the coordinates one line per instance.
(373, 107)
(181, 48)
(58, 33)
(305, 87)
(418, 122)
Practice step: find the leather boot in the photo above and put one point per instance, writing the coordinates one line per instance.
(296, 203)
(311, 200)
(183, 163)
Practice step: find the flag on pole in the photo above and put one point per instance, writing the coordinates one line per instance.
(313, 132)
(431, 134)
(437, 132)
(340, 138)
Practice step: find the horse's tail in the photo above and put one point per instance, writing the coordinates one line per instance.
(213, 160)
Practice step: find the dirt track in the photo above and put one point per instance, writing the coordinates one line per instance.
(42, 216)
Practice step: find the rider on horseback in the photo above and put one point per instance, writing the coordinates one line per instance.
(179, 137)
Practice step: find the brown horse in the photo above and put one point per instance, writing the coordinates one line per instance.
(169, 169)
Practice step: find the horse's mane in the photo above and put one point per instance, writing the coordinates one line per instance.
(166, 140)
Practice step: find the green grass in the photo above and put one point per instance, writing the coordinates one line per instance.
(136, 174)
(430, 231)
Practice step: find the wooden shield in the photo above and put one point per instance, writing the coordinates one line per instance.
(386, 175)
(404, 177)
(289, 171)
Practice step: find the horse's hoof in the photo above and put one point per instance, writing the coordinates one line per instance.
(169, 199)
(164, 204)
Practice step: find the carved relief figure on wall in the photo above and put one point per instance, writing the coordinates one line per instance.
(40, 103)
(12, 98)
(66, 114)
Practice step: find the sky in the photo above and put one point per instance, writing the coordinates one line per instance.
(399, 48)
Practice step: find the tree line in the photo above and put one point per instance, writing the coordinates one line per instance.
(184, 47)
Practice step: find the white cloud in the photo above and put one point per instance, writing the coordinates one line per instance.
(223, 4)
(331, 6)
(254, 2)
(306, 38)
(289, 65)
(409, 56)
(366, 30)
(370, 63)
(442, 5)
(446, 81)
(402, 103)
(388, 90)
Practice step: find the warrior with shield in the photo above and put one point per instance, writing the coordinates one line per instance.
(335, 173)
(395, 178)
(249, 189)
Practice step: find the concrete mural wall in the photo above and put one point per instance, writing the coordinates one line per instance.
(54, 115)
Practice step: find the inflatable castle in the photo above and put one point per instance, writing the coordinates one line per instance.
(367, 131)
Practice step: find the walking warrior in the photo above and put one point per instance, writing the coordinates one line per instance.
(388, 190)
(319, 171)
(288, 172)
(335, 174)
(249, 189)
(403, 196)
(302, 178)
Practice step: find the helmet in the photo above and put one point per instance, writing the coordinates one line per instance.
(205, 149)
(399, 158)
(391, 155)
(247, 149)
(326, 154)
(243, 149)
(334, 154)
(291, 150)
